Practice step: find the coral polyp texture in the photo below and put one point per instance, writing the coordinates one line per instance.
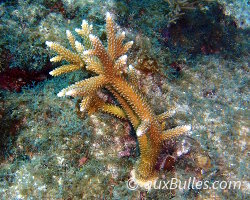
(111, 72)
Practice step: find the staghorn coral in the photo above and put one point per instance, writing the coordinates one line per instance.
(111, 73)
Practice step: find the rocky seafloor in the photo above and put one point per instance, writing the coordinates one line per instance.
(50, 150)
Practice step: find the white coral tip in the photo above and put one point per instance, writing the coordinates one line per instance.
(131, 68)
(49, 43)
(69, 93)
(77, 30)
(68, 32)
(77, 43)
(51, 60)
(84, 22)
(85, 52)
(79, 46)
(139, 132)
(81, 108)
(108, 15)
(61, 94)
(51, 73)
(188, 127)
(124, 59)
(91, 36)
(172, 112)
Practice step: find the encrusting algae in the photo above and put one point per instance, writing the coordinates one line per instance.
(112, 73)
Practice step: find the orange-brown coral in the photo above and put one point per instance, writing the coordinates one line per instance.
(109, 66)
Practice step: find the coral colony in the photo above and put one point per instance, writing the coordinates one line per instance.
(110, 72)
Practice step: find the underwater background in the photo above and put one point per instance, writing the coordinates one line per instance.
(190, 55)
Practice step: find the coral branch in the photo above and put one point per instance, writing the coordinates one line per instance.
(175, 132)
(114, 110)
(64, 69)
(109, 66)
